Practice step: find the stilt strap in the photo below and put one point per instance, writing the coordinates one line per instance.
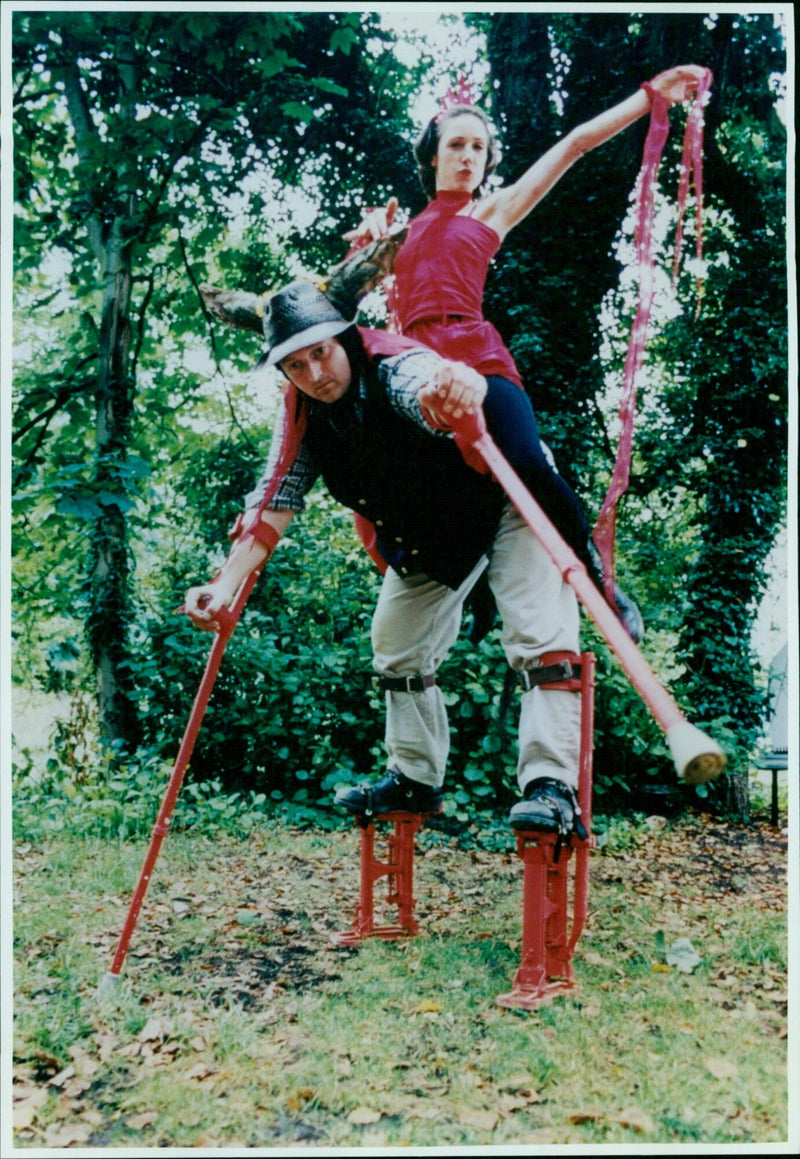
(404, 683)
(529, 678)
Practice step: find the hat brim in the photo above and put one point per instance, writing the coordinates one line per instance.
(308, 337)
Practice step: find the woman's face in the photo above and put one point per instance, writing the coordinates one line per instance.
(460, 160)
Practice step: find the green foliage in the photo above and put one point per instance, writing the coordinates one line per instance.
(229, 147)
(708, 487)
(102, 795)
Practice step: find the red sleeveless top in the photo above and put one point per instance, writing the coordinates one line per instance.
(439, 277)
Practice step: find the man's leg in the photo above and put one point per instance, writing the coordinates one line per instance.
(540, 614)
(415, 624)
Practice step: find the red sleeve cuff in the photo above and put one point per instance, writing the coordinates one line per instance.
(263, 533)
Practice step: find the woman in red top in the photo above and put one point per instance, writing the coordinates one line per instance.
(440, 272)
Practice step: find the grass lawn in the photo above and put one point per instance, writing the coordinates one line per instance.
(239, 1023)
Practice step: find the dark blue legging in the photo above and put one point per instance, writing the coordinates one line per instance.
(512, 424)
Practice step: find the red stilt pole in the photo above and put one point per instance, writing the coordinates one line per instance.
(547, 945)
(227, 619)
(398, 869)
(697, 757)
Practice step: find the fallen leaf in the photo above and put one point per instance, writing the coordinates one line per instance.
(154, 1029)
(515, 1081)
(35, 1095)
(426, 1006)
(75, 1088)
(85, 1065)
(540, 1138)
(139, 1122)
(154, 1058)
(429, 1110)
(586, 1115)
(683, 955)
(105, 1046)
(509, 1103)
(61, 1136)
(722, 1068)
(592, 958)
(201, 1071)
(363, 1116)
(661, 968)
(374, 1139)
(23, 1115)
(62, 1077)
(637, 1119)
(248, 917)
(481, 1120)
(303, 1095)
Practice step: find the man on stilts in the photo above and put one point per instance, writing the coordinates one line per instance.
(369, 412)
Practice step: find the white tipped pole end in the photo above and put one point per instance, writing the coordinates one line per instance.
(107, 987)
(697, 757)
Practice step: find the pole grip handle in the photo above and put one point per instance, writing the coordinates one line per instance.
(470, 427)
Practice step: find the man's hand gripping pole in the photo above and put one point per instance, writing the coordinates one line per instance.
(227, 618)
(697, 757)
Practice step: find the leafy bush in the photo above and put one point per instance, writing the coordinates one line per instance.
(108, 797)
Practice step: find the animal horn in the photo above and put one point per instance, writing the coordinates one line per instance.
(237, 308)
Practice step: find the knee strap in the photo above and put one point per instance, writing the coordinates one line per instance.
(561, 669)
(404, 683)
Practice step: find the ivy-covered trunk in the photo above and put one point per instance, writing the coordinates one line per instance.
(111, 230)
(109, 583)
(711, 437)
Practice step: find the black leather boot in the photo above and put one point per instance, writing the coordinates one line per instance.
(549, 806)
(391, 793)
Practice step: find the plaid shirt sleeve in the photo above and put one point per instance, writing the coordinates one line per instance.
(402, 376)
(295, 484)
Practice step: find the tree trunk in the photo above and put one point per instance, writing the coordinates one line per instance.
(736, 800)
(110, 231)
(110, 581)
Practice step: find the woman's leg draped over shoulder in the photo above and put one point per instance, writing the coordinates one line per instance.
(512, 424)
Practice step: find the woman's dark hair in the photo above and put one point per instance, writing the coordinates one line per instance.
(350, 339)
(428, 144)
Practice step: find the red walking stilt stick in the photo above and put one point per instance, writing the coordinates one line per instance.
(227, 619)
(697, 757)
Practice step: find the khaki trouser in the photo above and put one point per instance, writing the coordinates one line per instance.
(416, 622)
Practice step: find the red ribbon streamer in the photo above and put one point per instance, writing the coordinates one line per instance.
(604, 533)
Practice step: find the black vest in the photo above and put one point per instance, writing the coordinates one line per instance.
(432, 513)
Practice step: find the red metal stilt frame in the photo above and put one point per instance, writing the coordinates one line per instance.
(547, 946)
(398, 869)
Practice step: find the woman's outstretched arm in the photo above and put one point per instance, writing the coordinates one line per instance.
(505, 208)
